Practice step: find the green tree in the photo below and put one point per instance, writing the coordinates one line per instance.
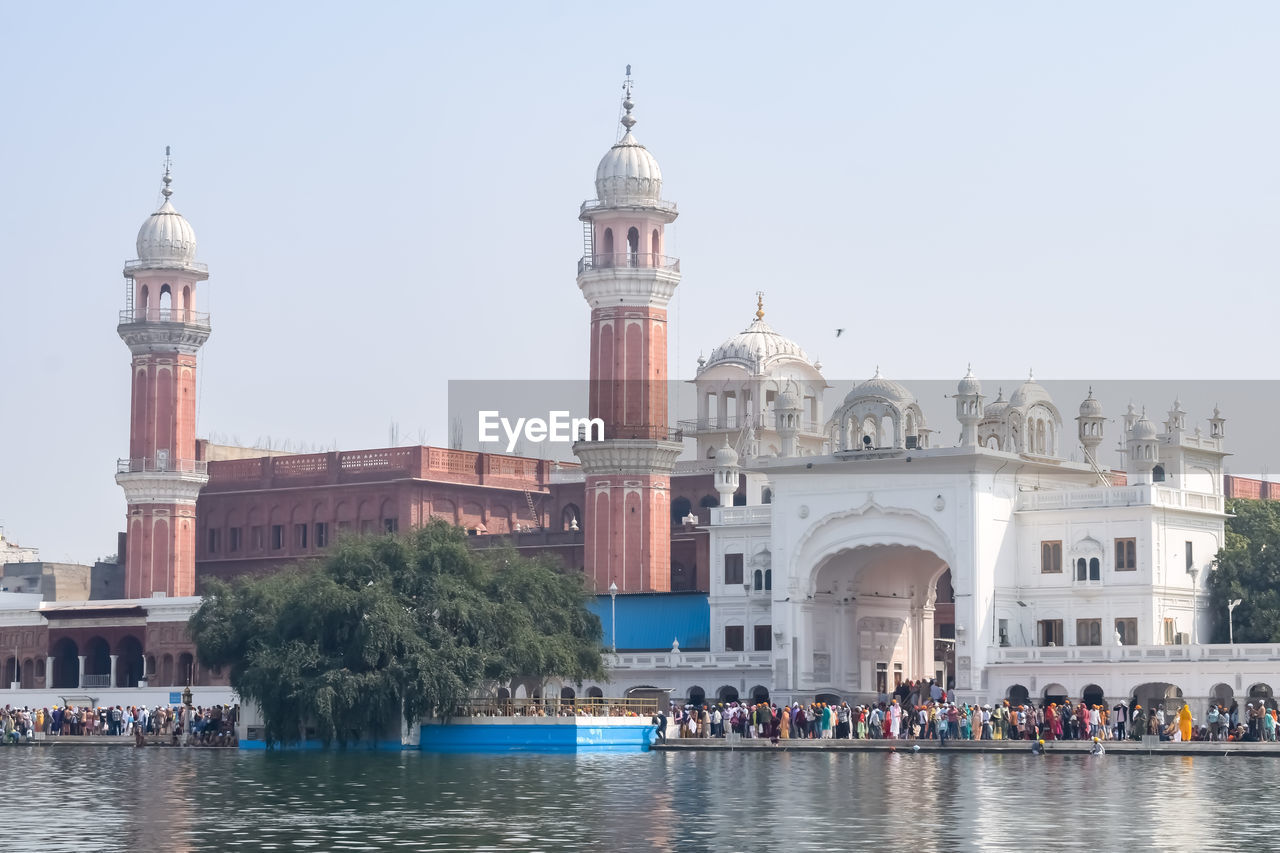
(1248, 568)
(396, 625)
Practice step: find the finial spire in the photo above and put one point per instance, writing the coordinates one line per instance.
(627, 120)
(168, 163)
(759, 304)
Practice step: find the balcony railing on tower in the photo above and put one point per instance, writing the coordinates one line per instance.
(164, 315)
(149, 465)
(628, 260)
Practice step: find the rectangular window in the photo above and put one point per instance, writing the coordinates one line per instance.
(1126, 555)
(1051, 557)
(1169, 632)
(882, 678)
(764, 638)
(1127, 630)
(1004, 634)
(734, 639)
(277, 537)
(897, 676)
(1088, 632)
(233, 542)
(1190, 560)
(300, 536)
(390, 525)
(257, 538)
(732, 569)
(1049, 632)
(214, 537)
(322, 534)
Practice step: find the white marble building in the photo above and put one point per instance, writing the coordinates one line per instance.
(1068, 580)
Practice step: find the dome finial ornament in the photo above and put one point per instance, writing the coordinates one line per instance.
(627, 104)
(168, 163)
(759, 304)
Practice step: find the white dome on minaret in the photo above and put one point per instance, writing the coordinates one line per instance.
(628, 174)
(166, 239)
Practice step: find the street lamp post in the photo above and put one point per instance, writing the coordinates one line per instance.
(1231, 628)
(613, 614)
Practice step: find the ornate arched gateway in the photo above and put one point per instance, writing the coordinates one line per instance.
(857, 611)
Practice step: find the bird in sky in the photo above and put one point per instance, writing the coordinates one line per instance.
(839, 332)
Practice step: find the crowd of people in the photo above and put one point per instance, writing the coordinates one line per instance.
(181, 724)
(923, 710)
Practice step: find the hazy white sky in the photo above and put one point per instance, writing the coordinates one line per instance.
(386, 196)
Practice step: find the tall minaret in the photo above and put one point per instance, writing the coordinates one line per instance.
(161, 478)
(628, 280)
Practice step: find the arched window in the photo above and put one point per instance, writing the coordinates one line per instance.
(633, 247)
(709, 501)
(1095, 569)
(1157, 474)
(1080, 569)
(680, 507)
(186, 302)
(607, 260)
(145, 296)
(166, 298)
(766, 496)
(759, 580)
(768, 578)
(571, 518)
(655, 243)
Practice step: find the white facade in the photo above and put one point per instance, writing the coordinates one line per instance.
(1063, 579)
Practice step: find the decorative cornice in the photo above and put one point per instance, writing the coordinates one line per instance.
(628, 456)
(169, 487)
(649, 286)
(145, 337)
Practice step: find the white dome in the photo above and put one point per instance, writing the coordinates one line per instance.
(757, 347)
(996, 408)
(1144, 430)
(878, 386)
(1090, 408)
(969, 385)
(167, 238)
(726, 456)
(628, 174)
(1028, 393)
(785, 400)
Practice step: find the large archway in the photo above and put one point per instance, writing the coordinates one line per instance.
(864, 617)
(1156, 694)
(879, 603)
(97, 663)
(66, 664)
(129, 663)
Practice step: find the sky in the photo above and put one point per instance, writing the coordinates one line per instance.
(386, 195)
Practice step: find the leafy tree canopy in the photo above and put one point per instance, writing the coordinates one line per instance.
(1248, 568)
(409, 624)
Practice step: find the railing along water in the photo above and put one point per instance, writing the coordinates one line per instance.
(582, 706)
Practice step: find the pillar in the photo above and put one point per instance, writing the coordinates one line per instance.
(48, 672)
(113, 669)
(80, 680)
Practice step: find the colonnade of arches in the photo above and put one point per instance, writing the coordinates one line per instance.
(131, 666)
(1149, 694)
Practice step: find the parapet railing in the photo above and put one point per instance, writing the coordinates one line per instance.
(148, 465)
(628, 260)
(164, 315)
(582, 706)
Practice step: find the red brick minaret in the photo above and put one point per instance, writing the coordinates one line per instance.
(628, 280)
(161, 478)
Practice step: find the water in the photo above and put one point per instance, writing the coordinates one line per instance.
(94, 798)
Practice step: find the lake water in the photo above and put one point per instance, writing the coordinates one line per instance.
(94, 798)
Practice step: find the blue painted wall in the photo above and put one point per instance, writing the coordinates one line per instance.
(650, 621)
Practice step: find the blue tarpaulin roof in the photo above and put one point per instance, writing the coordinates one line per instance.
(650, 621)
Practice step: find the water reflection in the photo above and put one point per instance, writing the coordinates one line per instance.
(160, 799)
